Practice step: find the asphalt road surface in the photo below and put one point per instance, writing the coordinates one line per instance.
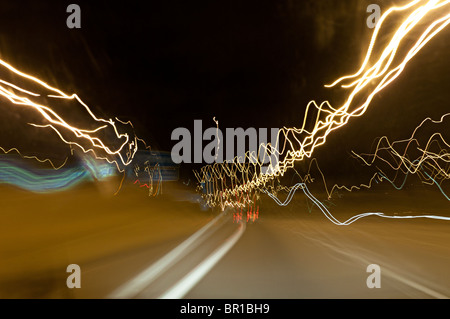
(135, 246)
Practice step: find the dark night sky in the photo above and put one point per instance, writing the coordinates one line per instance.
(162, 64)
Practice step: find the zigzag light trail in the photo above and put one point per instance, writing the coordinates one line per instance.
(431, 167)
(231, 184)
(85, 139)
(235, 184)
(426, 166)
(351, 220)
(15, 150)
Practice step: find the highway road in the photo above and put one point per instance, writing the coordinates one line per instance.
(135, 246)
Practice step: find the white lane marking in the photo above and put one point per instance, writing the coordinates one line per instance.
(141, 281)
(415, 285)
(180, 289)
(387, 271)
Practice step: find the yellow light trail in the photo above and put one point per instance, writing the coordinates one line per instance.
(229, 184)
(85, 139)
(33, 157)
(432, 167)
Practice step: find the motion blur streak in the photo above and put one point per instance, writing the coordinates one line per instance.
(145, 278)
(351, 220)
(180, 289)
(235, 184)
(85, 139)
(33, 157)
(431, 164)
(40, 181)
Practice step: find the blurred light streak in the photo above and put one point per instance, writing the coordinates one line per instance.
(137, 284)
(85, 139)
(234, 184)
(431, 167)
(352, 219)
(33, 157)
(49, 180)
(182, 287)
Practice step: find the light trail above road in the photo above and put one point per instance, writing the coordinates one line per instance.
(235, 184)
